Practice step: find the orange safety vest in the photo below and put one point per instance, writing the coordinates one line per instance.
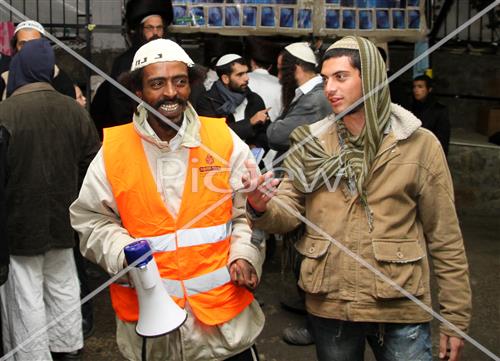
(192, 250)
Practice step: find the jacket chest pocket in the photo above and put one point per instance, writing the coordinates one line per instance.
(316, 269)
(401, 261)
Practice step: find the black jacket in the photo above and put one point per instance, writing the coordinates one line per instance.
(434, 116)
(110, 106)
(252, 135)
(4, 245)
(52, 142)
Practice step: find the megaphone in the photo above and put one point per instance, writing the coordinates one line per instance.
(158, 313)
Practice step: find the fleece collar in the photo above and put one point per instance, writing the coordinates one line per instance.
(402, 122)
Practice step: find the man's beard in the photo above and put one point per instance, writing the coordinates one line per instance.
(145, 41)
(238, 89)
(288, 86)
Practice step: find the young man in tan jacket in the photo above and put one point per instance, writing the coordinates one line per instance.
(375, 192)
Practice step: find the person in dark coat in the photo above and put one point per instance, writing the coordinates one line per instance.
(24, 32)
(434, 115)
(145, 20)
(231, 98)
(52, 142)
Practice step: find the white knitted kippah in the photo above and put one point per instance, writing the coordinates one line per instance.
(157, 51)
(302, 51)
(226, 59)
(30, 24)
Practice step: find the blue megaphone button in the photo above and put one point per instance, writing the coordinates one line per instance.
(136, 250)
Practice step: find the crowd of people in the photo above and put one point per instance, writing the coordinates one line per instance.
(358, 188)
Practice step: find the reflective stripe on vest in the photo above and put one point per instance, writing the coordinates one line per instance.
(192, 261)
(190, 237)
(198, 284)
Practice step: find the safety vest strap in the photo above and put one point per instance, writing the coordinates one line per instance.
(198, 236)
(190, 237)
(207, 282)
(174, 288)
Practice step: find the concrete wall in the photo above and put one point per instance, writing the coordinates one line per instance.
(476, 178)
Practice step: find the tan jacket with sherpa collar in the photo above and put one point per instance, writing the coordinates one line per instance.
(410, 192)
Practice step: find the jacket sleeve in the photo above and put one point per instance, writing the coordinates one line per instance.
(4, 244)
(243, 128)
(94, 215)
(241, 245)
(310, 110)
(444, 239)
(281, 214)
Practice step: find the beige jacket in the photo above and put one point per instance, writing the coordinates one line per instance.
(410, 192)
(94, 215)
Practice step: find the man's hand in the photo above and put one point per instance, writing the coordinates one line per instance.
(260, 117)
(243, 274)
(259, 188)
(450, 347)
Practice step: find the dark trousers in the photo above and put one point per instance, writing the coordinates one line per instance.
(247, 355)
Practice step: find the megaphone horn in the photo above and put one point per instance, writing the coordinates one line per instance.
(158, 313)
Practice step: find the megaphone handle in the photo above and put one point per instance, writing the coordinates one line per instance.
(144, 350)
(147, 276)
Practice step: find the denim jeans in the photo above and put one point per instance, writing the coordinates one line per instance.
(345, 341)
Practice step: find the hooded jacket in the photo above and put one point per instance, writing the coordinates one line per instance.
(410, 192)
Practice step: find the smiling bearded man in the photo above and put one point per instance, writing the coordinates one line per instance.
(169, 179)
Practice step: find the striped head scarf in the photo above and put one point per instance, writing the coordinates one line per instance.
(357, 153)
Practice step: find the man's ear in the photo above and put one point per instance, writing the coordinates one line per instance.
(430, 90)
(225, 79)
(138, 93)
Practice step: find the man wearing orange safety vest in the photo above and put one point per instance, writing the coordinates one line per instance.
(171, 177)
